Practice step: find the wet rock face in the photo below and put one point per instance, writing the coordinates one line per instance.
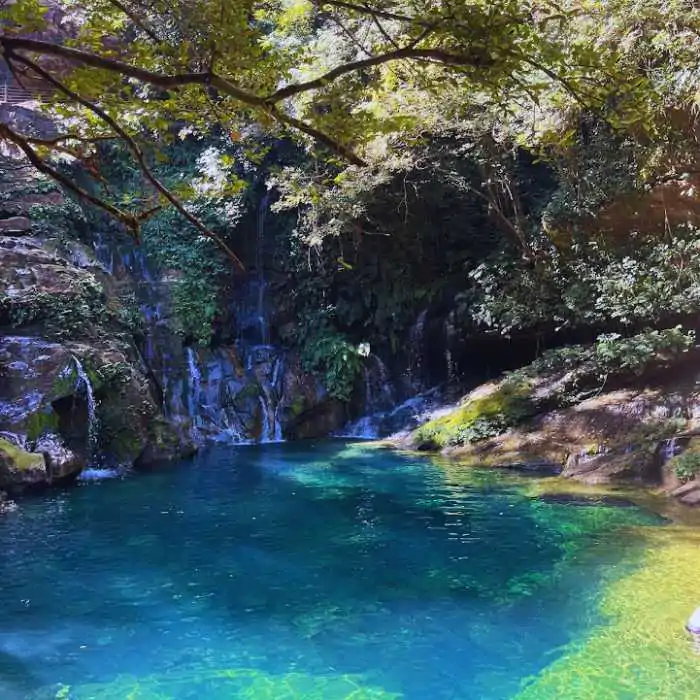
(61, 463)
(305, 409)
(35, 374)
(60, 310)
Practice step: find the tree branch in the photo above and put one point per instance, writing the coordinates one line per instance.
(126, 218)
(367, 10)
(136, 152)
(138, 22)
(444, 57)
(10, 45)
(346, 153)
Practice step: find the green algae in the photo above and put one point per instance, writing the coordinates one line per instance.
(215, 684)
(18, 458)
(41, 423)
(642, 651)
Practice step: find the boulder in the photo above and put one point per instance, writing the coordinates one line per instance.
(689, 493)
(20, 469)
(62, 463)
(35, 374)
(15, 224)
(6, 504)
(618, 466)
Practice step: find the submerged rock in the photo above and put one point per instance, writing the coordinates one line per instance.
(694, 623)
(583, 500)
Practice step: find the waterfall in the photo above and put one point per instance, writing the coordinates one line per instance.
(450, 364)
(669, 448)
(405, 416)
(382, 415)
(277, 376)
(195, 379)
(93, 424)
(416, 346)
(265, 412)
(260, 268)
(269, 403)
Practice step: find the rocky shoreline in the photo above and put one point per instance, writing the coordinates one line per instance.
(644, 432)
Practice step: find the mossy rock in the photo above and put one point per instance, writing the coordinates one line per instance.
(164, 444)
(42, 422)
(20, 468)
(486, 412)
(18, 459)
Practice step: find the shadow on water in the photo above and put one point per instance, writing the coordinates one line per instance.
(18, 676)
(314, 557)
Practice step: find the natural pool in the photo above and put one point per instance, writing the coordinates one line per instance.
(339, 571)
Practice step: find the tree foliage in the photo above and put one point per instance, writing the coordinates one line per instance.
(355, 82)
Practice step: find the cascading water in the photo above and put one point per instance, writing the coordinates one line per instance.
(260, 268)
(269, 404)
(416, 348)
(669, 449)
(381, 413)
(84, 383)
(450, 365)
(194, 393)
(209, 393)
(265, 416)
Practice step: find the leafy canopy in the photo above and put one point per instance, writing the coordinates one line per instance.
(352, 81)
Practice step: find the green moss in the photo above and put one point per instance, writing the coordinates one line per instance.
(18, 459)
(491, 414)
(79, 310)
(64, 383)
(297, 406)
(41, 423)
(249, 391)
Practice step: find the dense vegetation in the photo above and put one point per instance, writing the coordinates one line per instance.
(523, 169)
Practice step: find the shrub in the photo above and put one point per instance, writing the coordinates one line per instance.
(339, 361)
(687, 465)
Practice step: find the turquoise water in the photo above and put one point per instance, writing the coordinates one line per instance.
(318, 570)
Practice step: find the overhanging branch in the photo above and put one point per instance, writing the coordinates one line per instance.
(136, 152)
(11, 45)
(33, 157)
(477, 60)
(365, 9)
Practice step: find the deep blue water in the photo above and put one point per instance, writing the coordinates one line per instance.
(314, 570)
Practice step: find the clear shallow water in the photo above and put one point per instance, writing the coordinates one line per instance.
(325, 570)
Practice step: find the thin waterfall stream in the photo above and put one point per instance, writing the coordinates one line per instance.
(84, 382)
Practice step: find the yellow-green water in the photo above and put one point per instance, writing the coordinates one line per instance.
(333, 571)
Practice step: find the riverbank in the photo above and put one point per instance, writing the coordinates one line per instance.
(619, 430)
